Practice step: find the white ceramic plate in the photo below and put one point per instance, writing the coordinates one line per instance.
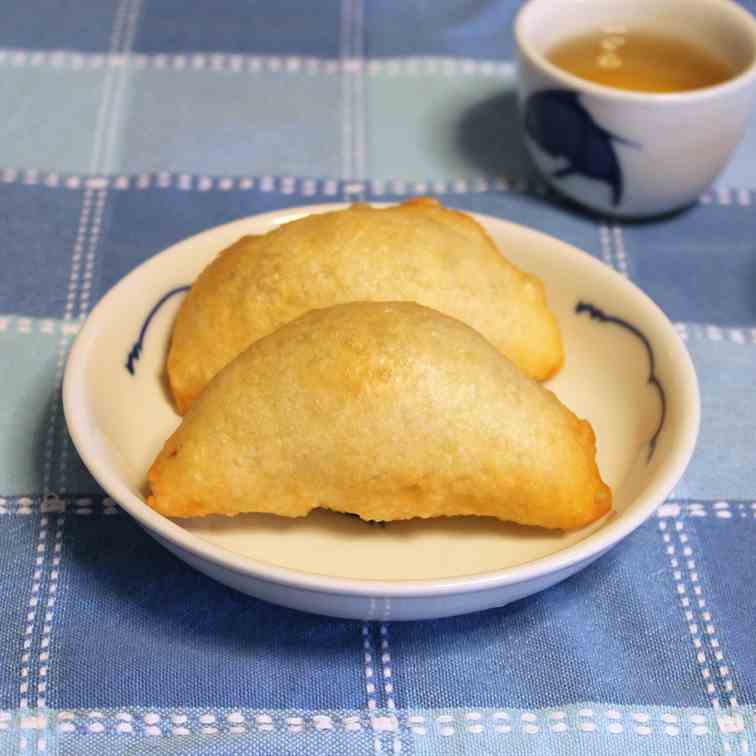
(626, 371)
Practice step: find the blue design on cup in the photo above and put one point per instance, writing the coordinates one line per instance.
(557, 122)
(598, 314)
(136, 350)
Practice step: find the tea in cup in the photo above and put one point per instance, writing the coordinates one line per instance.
(633, 107)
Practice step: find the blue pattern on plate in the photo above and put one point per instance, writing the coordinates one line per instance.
(600, 315)
(136, 350)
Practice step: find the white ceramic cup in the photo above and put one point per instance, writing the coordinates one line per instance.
(629, 153)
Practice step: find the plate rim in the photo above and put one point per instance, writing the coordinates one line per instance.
(585, 550)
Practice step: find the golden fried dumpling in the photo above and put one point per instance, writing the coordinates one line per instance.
(386, 410)
(418, 251)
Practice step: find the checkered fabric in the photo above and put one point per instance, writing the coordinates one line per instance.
(131, 124)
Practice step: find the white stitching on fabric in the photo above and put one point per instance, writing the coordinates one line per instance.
(358, 93)
(683, 594)
(33, 326)
(613, 247)
(388, 678)
(715, 508)
(51, 502)
(732, 721)
(347, 168)
(37, 696)
(121, 41)
(79, 286)
(84, 286)
(605, 240)
(709, 630)
(255, 64)
(52, 591)
(619, 250)
(710, 332)
(102, 113)
(687, 331)
(473, 722)
(587, 721)
(26, 506)
(369, 667)
(32, 613)
(298, 185)
(743, 197)
(119, 85)
(94, 237)
(386, 671)
(78, 253)
(51, 327)
(707, 647)
(725, 196)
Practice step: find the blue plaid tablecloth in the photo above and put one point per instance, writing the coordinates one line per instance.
(131, 124)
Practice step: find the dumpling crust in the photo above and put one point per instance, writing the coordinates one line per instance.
(418, 251)
(385, 410)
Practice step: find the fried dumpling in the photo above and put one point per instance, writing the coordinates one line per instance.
(385, 410)
(418, 251)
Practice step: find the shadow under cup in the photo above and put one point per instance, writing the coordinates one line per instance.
(631, 153)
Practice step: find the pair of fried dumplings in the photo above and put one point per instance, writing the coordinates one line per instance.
(381, 362)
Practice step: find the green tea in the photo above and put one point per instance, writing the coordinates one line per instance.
(641, 60)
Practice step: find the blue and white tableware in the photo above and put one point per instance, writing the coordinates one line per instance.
(626, 371)
(630, 153)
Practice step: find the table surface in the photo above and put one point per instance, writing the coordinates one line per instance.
(131, 124)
